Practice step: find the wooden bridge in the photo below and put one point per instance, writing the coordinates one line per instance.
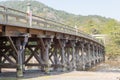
(54, 45)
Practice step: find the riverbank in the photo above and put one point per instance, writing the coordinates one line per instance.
(110, 70)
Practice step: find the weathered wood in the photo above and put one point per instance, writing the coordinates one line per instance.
(3, 30)
(35, 54)
(6, 57)
(0, 62)
(62, 44)
(62, 52)
(82, 53)
(20, 46)
(73, 44)
(55, 58)
(93, 55)
(20, 62)
(47, 44)
(89, 55)
(12, 44)
(8, 65)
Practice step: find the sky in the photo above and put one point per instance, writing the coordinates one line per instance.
(105, 8)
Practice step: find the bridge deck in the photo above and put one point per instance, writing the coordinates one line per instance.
(52, 44)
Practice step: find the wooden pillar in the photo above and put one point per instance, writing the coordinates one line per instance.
(23, 44)
(63, 57)
(55, 58)
(0, 62)
(83, 61)
(97, 50)
(93, 48)
(94, 53)
(47, 43)
(57, 55)
(1, 42)
(19, 61)
(103, 52)
(62, 45)
(89, 55)
(73, 55)
(101, 55)
(23, 60)
(20, 47)
(78, 57)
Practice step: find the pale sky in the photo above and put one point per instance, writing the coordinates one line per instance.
(105, 8)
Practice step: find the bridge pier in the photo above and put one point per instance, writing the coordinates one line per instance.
(93, 48)
(89, 55)
(73, 54)
(0, 62)
(19, 61)
(57, 65)
(47, 44)
(97, 54)
(83, 56)
(62, 44)
(78, 55)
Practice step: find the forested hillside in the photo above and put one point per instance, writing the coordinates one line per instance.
(92, 24)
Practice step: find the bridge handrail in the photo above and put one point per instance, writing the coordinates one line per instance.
(66, 29)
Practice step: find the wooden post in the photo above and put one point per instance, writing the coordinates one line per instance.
(20, 62)
(97, 54)
(68, 58)
(0, 62)
(93, 47)
(89, 55)
(24, 42)
(23, 61)
(0, 56)
(73, 54)
(20, 50)
(101, 55)
(82, 51)
(55, 58)
(77, 58)
(103, 52)
(47, 43)
(62, 44)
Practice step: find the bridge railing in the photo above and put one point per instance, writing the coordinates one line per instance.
(18, 18)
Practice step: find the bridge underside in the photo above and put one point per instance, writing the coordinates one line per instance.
(51, 50)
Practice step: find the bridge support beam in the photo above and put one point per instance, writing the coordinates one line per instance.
(62, 44)
(19, 61)
(93, 55)
(0, 62)
(78, 55)
(83, 56)
(19, 47)
(97, 52)
(47, 45)
(89, 55)
(0, 57)
(73, 54)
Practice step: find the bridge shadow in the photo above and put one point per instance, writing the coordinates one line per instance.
(29, 74)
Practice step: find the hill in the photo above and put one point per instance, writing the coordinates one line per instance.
(90, 21)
